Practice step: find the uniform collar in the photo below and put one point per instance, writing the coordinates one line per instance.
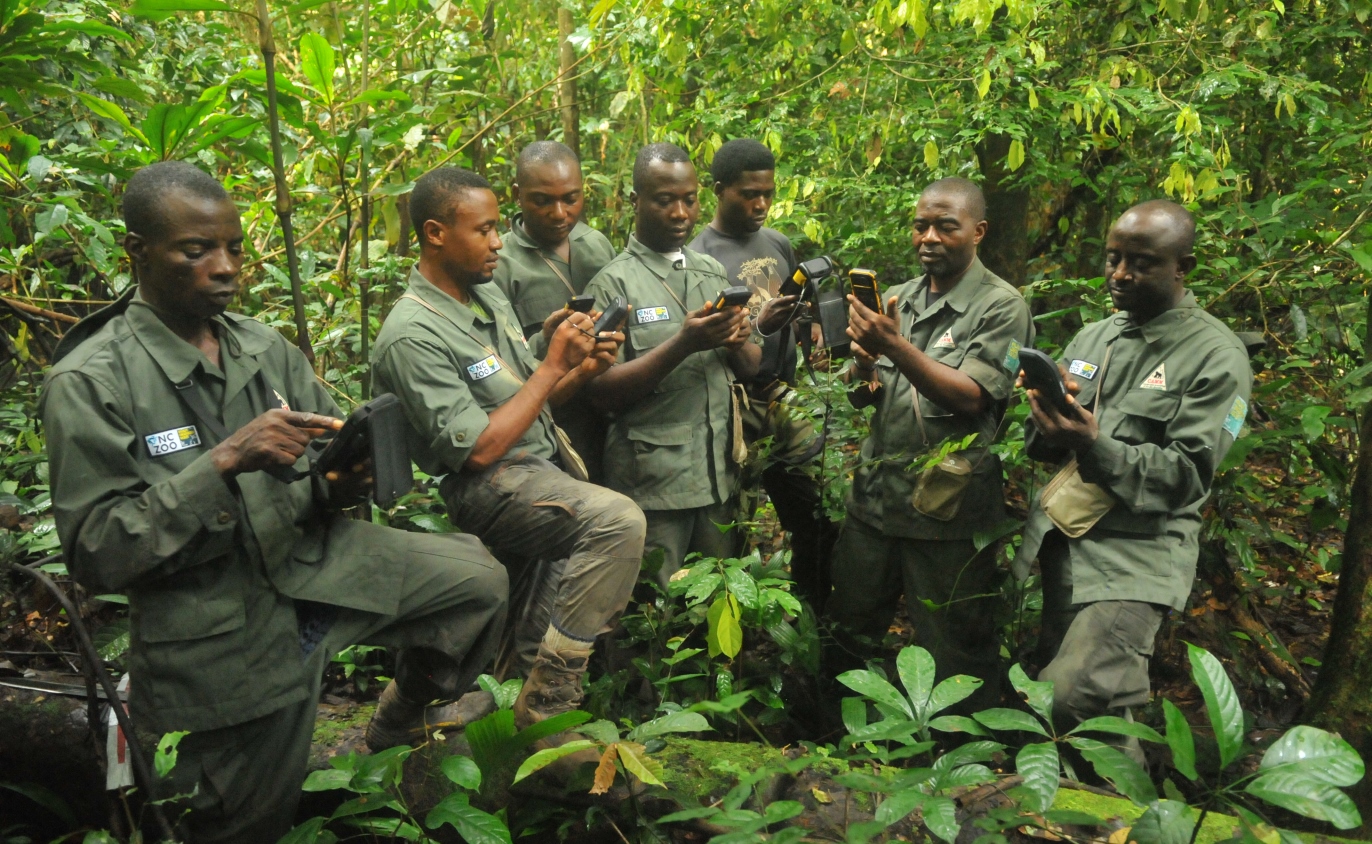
(521, 237)
(960, 298)
(660, 265)
(461, 315)
(1161, 325)
(179, 359)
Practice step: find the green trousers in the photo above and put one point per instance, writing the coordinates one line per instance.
(246, 778)
(692, 531)
(1096, 654)
(961, 628)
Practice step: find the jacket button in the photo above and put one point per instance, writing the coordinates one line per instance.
(461, 437)
(225, 517)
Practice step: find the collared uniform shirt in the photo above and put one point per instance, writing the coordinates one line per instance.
(211, 566)
(530, 284)
(977, 328)
(1175, 399)
(451, 369)
(669, 450)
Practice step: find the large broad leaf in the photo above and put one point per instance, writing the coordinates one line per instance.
(1299, 792)
(1010, 719)
(952, 690)
(1180, 740)
(854, 710)
(899, 805)
(1221, 702)
(491, 741)
(724, 635)
(1165, 822)
(548, 755)
(111, 111)
(916, 669)
(551, 727)
(1124, 773)
(167, 8)
(972, 751)
(675, 722)
(637, 762)
(1037, 693)
(317, 63)
(462, 771)
(1323, 756)
(957, 724)
(897, 728)
(869, 684)
(941, 817)
(742, 586)
(1117, 726)
(1038, 765)
(474, 825)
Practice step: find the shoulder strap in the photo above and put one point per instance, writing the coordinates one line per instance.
(557, 272)
(195, 401)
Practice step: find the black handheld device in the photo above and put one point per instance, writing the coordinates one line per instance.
(1041, 373)
(375, 430)
(802, 281)
(732, 297)
(611, 319)
(863, 283)
(581, 304)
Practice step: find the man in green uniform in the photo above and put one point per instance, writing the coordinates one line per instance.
(675, 441)
(758, 257)
(171, 425)
(476, 401)
(1161, 390)
(549, 257)
(945, 354)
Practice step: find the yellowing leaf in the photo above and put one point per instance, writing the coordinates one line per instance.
(1033, 99)
(637, 762)
(724, 636)
(930, 154)
(605, 771)
(1120, 836)
(1015, 158)
(984, 84)
(317, 63)
(820, 795)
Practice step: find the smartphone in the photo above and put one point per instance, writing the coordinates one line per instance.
(1041, 373)
(732, 297)
(812, 270)
(581, 304)
(863, 283)
(611, 318)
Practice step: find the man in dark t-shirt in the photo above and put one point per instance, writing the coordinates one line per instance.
(744, 175)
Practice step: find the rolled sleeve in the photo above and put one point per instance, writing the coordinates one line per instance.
(1004, 323)
(440, 407)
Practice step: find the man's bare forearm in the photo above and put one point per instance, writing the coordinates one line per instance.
(625, 383)
(746, 361)
(941, 384)
(509, 422)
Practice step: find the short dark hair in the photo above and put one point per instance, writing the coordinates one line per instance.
(543, 152)
(436, 194)
(739, 156)
(652, 153)
(966, 189)
(147, 189)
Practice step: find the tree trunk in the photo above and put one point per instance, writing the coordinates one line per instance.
(566, 86)
(1005, 250)
(1342, 698)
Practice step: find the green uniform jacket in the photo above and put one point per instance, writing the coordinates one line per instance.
(210, 567)
(977, 328)
(441, 367)
(530, 284)
(1176, 394)
(669, 451)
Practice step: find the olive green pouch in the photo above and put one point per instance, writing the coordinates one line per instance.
(938, 493)
(1072, 504)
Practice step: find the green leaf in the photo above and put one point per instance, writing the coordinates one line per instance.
(869, 684)
(984, 83)
(1180, 740)
(957, 724)
(1037, 693)
(743, 587)
(1312, 421)
(1010, 719)
(1297, 791)
(941, 817)
(1321, 755)
(317, 63)
(916, 668)
(329, 779)
(1014, 159)
(952, 690)
(164, 758)
(1221, 702)
(551, 727)
(110, 111)
(463, 771)
(166, 8)
(308, 832)
(45, 798)
(1038, 764)
(854, 711)
(549, 755)
(1124, 773)
(724, 635)
(1165, 822)
(674, 722)
(637, 762)
(474, 825)
(899, 805)
(1116, 725)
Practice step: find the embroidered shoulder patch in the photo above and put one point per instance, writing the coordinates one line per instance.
(643, 316)
(946, 341)
(1012, 357)
(1084, 368)
(1238, 411)
(171, 441)
(483, 368)
(1156, 381)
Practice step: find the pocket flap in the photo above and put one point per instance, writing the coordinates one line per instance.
(675, 434)
(181, 615)
(1151, 404)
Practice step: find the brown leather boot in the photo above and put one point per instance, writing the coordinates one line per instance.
(398, 720)
(554, 687)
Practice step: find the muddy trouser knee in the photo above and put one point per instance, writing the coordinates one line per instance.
(694, 530)
(1101, 667)
(527, 510)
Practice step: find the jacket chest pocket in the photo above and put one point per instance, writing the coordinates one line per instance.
(649, 328)
(491, 382)
(535, 305)
(1143, 416)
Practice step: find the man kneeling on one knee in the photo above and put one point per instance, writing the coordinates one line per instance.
(477, 403)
